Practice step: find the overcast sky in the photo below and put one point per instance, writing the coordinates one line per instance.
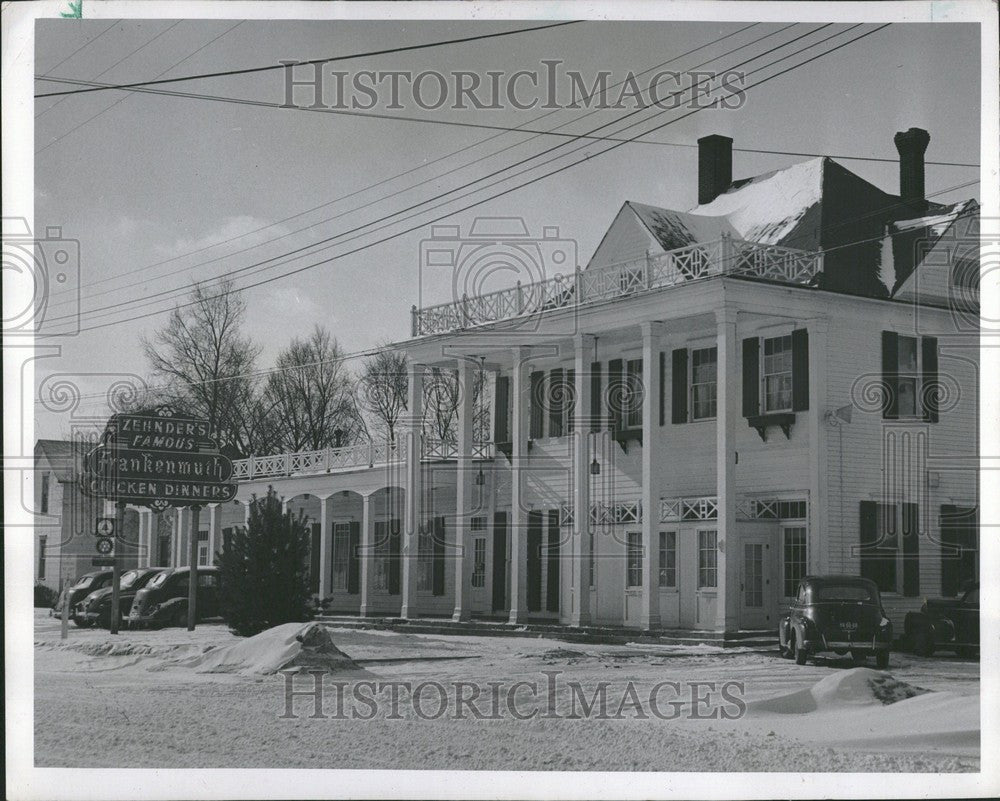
(147, 183)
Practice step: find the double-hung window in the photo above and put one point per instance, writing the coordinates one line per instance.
(776, 374)
(341, 556)
(794, 559)
(704, 371)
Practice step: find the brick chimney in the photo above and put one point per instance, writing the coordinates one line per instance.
(911, 145)
(715, 167)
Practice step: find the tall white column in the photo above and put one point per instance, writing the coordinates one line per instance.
(412, 425)
(463, 492)
(520, 412)
(581, 556)
(818, 540)
(650, 613)
(325, 537)
(142, 554)
(727, 412)
(180, 526)
(367, 542)
(214, 531)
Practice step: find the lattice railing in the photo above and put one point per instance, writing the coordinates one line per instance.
(682, 509)
(726, 256)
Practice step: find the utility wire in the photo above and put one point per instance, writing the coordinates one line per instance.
(377, 349)
(315, 61)
(434, 178)
(119, 61)
(460, 124)
(495, 196)
(151, 299)
(120, 100)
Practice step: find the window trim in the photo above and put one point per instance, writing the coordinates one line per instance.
(916, 376)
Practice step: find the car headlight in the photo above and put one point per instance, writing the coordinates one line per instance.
(884, 622)
(154, 609)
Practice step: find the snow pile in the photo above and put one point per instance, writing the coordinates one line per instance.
(866, 709)
(846, 688)
(292, 645)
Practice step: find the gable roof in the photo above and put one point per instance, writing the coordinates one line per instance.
(62, 456)
(677, 229)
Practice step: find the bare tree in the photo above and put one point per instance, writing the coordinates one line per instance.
(205, 361)
(310, 394)
(441, 403)
(382, 390)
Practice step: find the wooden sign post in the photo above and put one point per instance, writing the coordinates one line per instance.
(193, 574)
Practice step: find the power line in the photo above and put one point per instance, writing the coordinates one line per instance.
(315, 61)
(486, 126)
(425, 181)
(499, 194)
(148, 301)
(120, 100)
(377, 349)
(119, 61)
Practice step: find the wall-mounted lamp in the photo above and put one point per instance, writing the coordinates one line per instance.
(933, 480)
(839, 416)
(595, 467)
(480, 478)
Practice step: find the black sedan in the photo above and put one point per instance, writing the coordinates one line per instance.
(945, 624)
(164, 601)
(839, 614)
(85, 585)
(96, 607)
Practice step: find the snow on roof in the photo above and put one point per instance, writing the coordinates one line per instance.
(936, 224)
(676, 229)
(767, 208)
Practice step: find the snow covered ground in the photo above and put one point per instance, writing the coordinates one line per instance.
(176, 699)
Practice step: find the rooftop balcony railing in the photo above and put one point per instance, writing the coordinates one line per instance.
(726, 256)
(346, 459)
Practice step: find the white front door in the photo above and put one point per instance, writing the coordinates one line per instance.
(755, 582)
(480, 601)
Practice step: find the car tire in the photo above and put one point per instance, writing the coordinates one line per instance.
(882, 659)
(81, 624)
(859, 657)
(801, 655)
(923, 643)
(180, 618)
(967, 651)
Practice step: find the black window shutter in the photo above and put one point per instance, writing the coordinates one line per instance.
(869, 540)
(501, 422)
(395, 558)
(890, 374)
(570, 405)
(533, 568)
(616, 393)
(911, 549)
(663, 387)
(800, 370)
(751, 377)
(537, 404)
(555, 398)
(438, 569)
(679, 386)
(354, 559)
(929, 378)
(595, 396)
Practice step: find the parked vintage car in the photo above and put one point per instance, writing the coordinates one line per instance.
(164, 601)
(842, 614)
(945, 623)
(84, 585)
(95, 609)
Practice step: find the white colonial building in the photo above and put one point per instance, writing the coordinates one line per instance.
(782, 380)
